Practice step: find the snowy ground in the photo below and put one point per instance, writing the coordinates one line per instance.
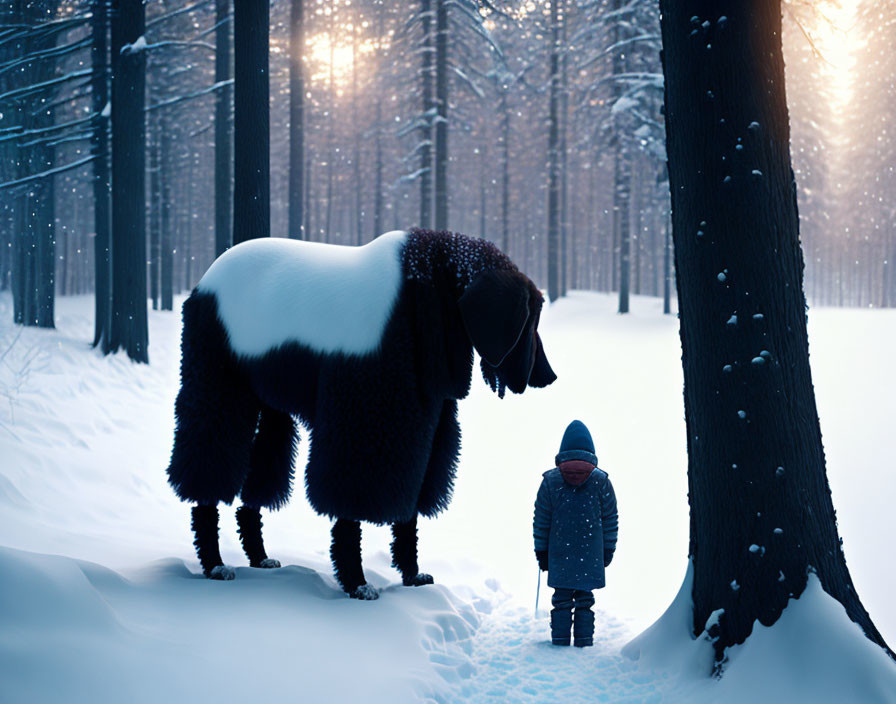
(101, 599)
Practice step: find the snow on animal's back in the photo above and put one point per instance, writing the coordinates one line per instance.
(330, 298)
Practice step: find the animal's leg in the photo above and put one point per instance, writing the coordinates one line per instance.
(248, 521)
(345, 552)
(269, 482)
(205, 532)
(404, 554)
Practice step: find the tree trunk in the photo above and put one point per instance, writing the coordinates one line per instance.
(331, 97)
(554, 160)
(43, 216)
(505, 172)
(223, 149)
(155, 214)
(306, 225)
(378, 170)
(441, 131)
(99, 149)
(356, 152)
(251, 120)
(129, 325)
(166, 259)
(667, 268)
(621, 174)
(34, 270)
(752, 423)
(426, 121)
(563, 7)
(296, 120)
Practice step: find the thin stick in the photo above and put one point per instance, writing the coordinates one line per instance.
(538, 592)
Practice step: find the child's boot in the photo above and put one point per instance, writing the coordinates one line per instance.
(561, 616)
(583, 626)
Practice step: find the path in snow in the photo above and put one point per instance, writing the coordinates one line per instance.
(515, 661)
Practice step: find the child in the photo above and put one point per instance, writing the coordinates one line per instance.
(575, 530)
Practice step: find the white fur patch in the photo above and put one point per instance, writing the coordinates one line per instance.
(222, 572)
(331, 298)
(365, 593)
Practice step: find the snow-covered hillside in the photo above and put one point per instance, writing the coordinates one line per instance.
(101, 597)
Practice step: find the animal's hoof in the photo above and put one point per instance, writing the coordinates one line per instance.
(365, 593)
(418, 580)
(269, 563)
(222, 572)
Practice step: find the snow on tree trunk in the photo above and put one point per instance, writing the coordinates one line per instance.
(761, 510)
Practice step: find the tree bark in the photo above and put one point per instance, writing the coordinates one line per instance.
(505, 171)
(752, 423)
(563, 7)
(251, 120)
(155, 214)
(296, 120)
(621, 174)
(441, 131)
(223, 136)
(554, 160)
(129, 324)
(426, 120)
(99, 149)
(166, 259)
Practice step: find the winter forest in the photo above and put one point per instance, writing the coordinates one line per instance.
(700, 192)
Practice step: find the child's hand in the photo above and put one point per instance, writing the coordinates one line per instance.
(542, 557)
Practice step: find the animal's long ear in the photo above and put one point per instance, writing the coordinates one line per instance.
(494, 308)
(542, 375)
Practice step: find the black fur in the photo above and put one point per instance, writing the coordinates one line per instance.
(385, 437)
(345, 552)
(404, 549)
(205, 531)
(248, 521)
(271, 460)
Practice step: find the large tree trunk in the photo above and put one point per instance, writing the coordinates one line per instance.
(554, 160)
(99, 149)
(43, 216)
(223, 150)
(296, 120)
(752, 424)
(129, 325)
(251, 120)
(441, 131)
(34, 270)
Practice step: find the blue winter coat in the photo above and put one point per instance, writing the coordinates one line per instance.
(576, 525)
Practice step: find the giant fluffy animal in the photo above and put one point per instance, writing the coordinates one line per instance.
(371, 348)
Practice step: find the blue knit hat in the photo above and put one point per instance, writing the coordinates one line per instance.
(576, 445)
